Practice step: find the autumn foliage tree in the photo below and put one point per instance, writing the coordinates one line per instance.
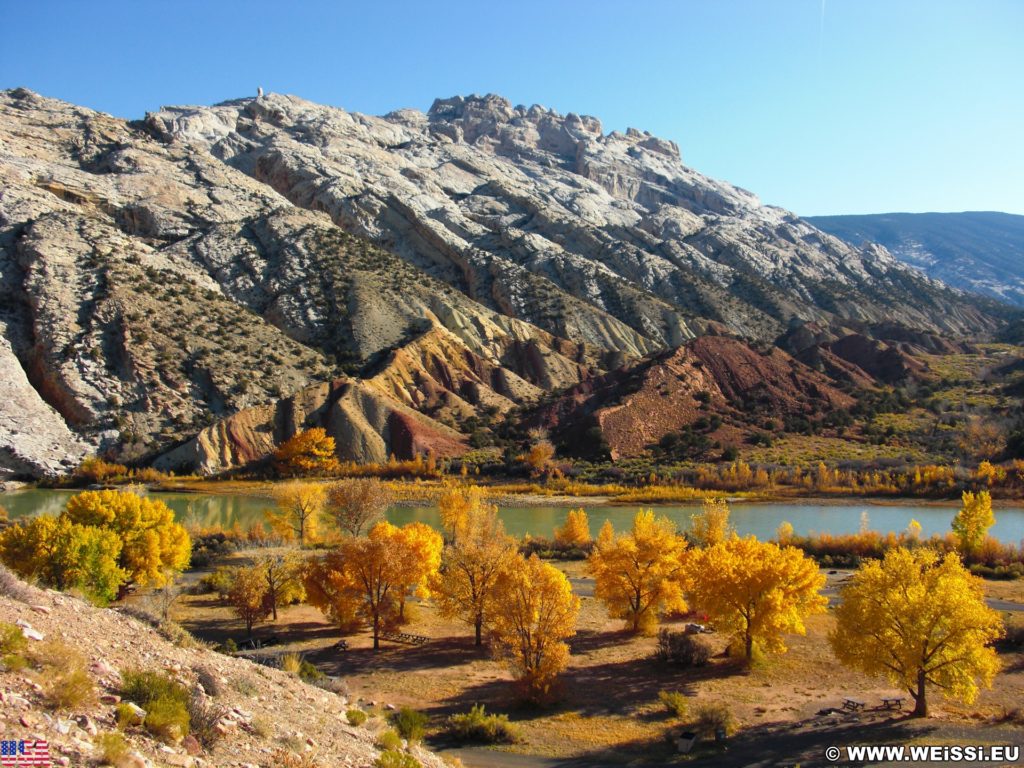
(421, 546)
(299, 508)
(478, 550)
(640, 575)
(918, 620)
(153, 546)
(710, 526)
(576, 531)
(356, 504)
(756, 590)
(534, 612)
(65, 555)
(282, 579)
(247, 596)
(971, 523)
(366, 577)
(310, 452)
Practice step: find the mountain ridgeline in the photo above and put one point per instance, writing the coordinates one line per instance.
(192, 288)
(979, 251)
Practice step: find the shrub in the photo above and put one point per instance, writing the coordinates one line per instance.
(167, 719)
(711, 717)
(12, 639)
(309, 673)
(220, 580)
(674, 701)
(127, 717)
(476, 725)
(356, 717)
(291, 663)
(389, 739)
(410, 724)
(683, 649)
(391, 758)
(13, 587)
(203, 717)
(112, 748)
(166, 702)
(66, 682)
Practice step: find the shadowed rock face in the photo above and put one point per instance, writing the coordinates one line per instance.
(178, 281)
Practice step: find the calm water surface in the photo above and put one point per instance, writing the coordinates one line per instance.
(760, 519)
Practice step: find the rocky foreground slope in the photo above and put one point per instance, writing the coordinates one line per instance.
(266, 714)
(179, 283)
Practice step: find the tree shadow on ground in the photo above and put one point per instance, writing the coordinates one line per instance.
(769, 744)
(616, 688)
(440, 652)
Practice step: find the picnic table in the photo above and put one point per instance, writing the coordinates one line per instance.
(853, 705)
(893, 702)
(404, 637)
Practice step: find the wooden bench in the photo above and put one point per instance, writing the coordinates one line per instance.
(853, 705)
(893, 702)
(404, 637)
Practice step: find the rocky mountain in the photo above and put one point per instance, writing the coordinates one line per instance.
(208, 279)
(979, 251)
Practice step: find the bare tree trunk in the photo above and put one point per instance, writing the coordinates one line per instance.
(479, 629)
(376, 630)
(920, 702)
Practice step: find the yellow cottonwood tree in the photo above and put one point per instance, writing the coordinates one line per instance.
(756, 590)
(310, 452)
(422, 547)
(640, 574)
(711, 525)
(65, 555)
(154, 547)
(576, 530)
(918, 620)
(365, 576)
(299, 508)
(456, 505)
(972, 522)
(535, 610)
(471, 562)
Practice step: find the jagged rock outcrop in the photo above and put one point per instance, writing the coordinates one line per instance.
(529, 211)
(629, 410)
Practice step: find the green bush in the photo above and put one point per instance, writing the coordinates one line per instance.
(309, 673)
(392, 758)
(165, 700)
(127, 716)
(410, 724)
(477, 725)
(356, 717)
(112, 748)
(12, 647)
(389, 740)
(674, 701)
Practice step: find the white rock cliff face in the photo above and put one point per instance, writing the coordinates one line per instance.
(161, 276)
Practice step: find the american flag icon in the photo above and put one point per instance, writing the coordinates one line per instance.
(24, 752)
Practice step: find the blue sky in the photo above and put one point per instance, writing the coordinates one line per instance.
(834, 106)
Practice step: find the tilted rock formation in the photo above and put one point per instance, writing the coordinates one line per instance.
(632, 408)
